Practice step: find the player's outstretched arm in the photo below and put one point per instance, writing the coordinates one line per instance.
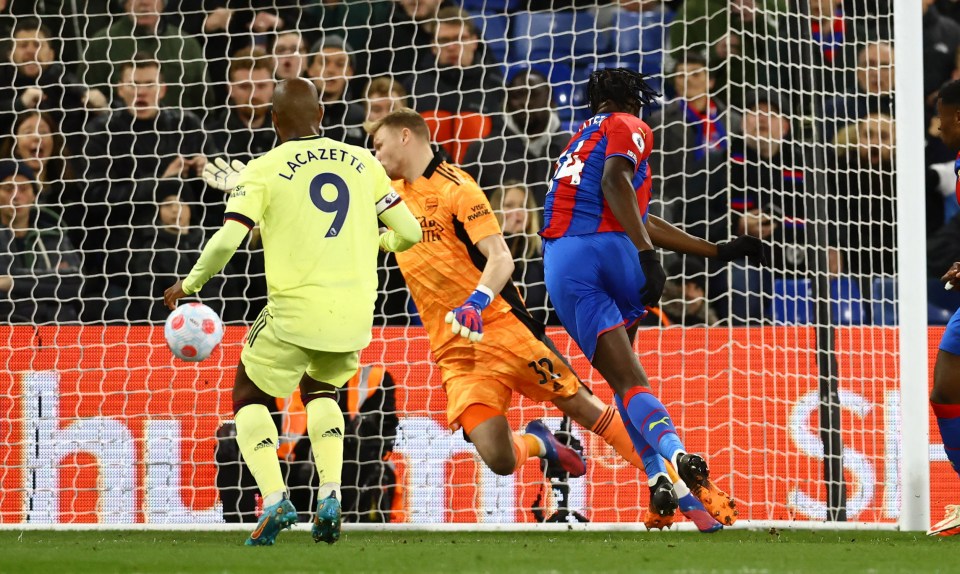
(215, 255)
(404, 230)
(666, 236)
(466, 320)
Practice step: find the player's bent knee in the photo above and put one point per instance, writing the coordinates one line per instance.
(503, 463)
(311, 389)
(309, 393)
(622, 385)
(496, 452)
(474, 415)
(238, 404)
(490, 434)
(503, 469)
(246, 392)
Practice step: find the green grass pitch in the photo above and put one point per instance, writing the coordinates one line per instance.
(465, 552)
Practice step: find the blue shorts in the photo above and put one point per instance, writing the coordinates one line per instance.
(951, 337)
(594, 283)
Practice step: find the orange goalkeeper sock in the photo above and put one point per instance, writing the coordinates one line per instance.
(535, 446)
(523, 447)
(609, 427)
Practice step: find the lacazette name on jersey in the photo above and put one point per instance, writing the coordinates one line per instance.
(301, 159)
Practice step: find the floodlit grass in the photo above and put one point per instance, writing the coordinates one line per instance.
(468, 552)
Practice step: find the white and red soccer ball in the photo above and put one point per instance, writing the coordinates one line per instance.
(193, 331)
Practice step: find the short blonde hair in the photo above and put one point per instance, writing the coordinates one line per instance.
(387, 86)
(456, 15)
(400, 118)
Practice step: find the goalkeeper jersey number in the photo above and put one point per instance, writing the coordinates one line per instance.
(315, 200)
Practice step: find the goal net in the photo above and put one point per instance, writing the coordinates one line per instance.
(776, 120)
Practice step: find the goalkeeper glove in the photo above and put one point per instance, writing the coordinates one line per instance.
(223, 176)
(655, 278)
(466, 320)
(743, 246)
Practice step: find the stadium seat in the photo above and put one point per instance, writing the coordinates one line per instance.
(847, 302)
(791, 304)
(638, 40)
(938, 315)
(936, 295)
(493, 30)
(455, 132)
(883, 307)
(562, 36)
(941, 304)
(490, 6)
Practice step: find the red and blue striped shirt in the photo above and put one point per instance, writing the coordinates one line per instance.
(956, 169)
(575, 204)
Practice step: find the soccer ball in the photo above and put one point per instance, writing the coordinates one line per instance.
(193, 331)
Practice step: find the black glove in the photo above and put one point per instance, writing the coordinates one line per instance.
(655, 276)
(744, 246)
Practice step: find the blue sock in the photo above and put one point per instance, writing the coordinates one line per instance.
(649, 416)
(653, 464)
(948, 419)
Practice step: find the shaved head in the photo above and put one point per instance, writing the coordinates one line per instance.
(296, 109)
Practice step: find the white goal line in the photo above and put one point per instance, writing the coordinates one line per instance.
(778, 525)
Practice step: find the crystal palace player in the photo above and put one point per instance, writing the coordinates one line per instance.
(945, 397)
(317, 202)
(601, 268)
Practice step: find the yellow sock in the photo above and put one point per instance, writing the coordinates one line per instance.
(257, 439)
(325, 427)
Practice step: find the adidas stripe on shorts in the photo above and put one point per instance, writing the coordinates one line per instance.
(277, 366)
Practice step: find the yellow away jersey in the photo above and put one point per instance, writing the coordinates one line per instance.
(315, 200)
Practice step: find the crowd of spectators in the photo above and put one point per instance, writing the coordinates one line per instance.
(777, 118)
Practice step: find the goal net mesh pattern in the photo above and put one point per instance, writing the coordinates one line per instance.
(776, 121)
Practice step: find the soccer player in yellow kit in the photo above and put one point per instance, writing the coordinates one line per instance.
(317, 202)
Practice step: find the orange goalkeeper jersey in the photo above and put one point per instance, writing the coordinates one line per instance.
(444, 268)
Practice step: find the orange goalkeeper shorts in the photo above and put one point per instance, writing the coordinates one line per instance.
(511, 357)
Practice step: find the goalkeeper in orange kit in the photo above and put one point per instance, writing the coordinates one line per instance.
(483, 339)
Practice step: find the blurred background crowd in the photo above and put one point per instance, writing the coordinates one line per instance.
(777, 121)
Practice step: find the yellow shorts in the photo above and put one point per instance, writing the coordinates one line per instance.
(510, 358)
(276, 366)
